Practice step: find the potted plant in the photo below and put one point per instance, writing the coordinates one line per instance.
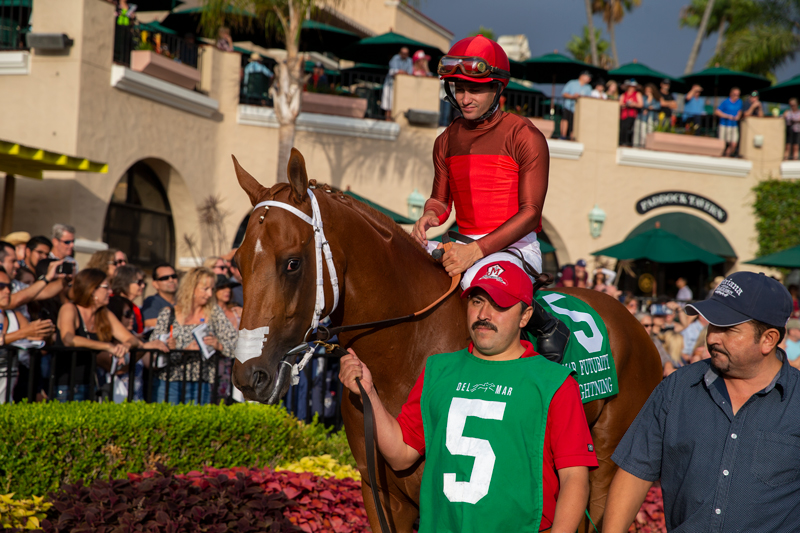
(333, 100)
(666, 138)
(147, 60)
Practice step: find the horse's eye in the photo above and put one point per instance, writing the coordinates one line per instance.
(292, 265)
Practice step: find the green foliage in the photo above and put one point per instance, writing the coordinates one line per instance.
(22, 514)
(581, 48)
(758, 36)
(777, 208)
(45, 444)
(486, 32)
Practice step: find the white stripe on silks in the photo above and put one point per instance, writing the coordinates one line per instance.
(250, 343)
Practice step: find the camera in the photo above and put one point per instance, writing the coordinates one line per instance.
(66, 267)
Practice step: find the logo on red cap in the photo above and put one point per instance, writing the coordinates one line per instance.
(494, 273)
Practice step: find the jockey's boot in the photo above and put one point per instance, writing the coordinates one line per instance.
(551, 334)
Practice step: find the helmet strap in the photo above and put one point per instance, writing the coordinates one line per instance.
(452, 99)
(493, 107)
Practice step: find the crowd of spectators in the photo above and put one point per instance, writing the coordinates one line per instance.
(49, 304)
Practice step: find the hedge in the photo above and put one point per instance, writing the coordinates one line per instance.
(45, 444)
(777, 209)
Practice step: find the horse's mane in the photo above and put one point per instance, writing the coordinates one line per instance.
(375, 217)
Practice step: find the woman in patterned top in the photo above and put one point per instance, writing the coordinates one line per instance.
(195, 305)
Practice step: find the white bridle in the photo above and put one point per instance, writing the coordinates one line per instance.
(253, 349)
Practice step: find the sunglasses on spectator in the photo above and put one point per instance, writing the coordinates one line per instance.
(66, 242)
(650, 325)
(141, 283)
(120, 262)
(4, 286)
(103, 286)
(128, 314)
(165, 278)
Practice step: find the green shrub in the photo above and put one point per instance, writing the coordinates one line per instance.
(777, 208)
(45, 444)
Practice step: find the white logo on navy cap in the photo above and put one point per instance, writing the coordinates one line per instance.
(728, 288)
(494, 272)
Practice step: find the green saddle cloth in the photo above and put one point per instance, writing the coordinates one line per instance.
(588, 352)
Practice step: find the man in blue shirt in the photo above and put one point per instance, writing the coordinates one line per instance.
(693, 108)
(722, 434)
(729, 113)
(573, 90)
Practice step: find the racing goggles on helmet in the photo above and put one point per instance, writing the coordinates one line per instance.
(474, 67)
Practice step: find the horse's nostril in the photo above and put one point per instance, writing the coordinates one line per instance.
(260, 379)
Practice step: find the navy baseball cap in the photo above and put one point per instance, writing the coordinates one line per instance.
(745, 296)
(580, 263)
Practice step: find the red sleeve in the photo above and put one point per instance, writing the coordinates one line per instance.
(440, 201)
(533, 157)
(570, 441)
(410, 417)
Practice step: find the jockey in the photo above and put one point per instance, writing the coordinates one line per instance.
(494, 167)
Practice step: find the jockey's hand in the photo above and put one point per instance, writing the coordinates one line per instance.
(460, 257)
(427, 220)
(350, 368)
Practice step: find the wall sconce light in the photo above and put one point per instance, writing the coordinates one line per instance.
(415, 204)
(597, 218)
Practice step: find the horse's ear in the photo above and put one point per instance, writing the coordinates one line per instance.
(296, 171)
(252, 187)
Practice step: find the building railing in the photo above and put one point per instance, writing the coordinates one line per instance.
(39, 374)
(129, 38)
(14, 24)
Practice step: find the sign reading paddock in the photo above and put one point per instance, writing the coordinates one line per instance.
(684, 199)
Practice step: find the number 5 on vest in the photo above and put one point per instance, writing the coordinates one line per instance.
(478, 485)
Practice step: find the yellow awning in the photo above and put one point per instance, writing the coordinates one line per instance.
(27, 161)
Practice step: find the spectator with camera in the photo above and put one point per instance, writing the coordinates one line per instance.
(165, 282)
(46, 285)
(63, 243)
(36, 249)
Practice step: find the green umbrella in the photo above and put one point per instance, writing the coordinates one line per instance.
(514, 86)
(397, 217)
(156, 5)
(783, 91)
(380, 49)
(644, 75)
(789, 258)
(156, 27)
(659, 246)
(187, 20)
(318, 37)
(723, 80)
(557, 68)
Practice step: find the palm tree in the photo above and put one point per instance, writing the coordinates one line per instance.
(701, 34)
(580, 48)
(613, 12)
(753, 36)
(284, 17)
(590, 32)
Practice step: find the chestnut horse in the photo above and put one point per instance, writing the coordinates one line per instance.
(383, 273)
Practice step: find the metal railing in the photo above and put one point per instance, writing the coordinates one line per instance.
(697, 125)
(14, 24)
(137, 37)
(63, 373)
(368, 85)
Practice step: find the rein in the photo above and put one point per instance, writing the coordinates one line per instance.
(324, 334)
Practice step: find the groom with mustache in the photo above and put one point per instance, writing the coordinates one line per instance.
(502, 429)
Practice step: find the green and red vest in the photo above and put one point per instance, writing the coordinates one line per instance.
(484, 427)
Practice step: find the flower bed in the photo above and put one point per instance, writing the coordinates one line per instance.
(650, 518)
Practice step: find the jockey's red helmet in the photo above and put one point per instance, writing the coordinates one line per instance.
(476, 59)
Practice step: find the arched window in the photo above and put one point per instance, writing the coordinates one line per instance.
(139, 220)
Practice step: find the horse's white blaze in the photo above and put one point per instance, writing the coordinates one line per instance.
(251, 341)
(259, 249)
